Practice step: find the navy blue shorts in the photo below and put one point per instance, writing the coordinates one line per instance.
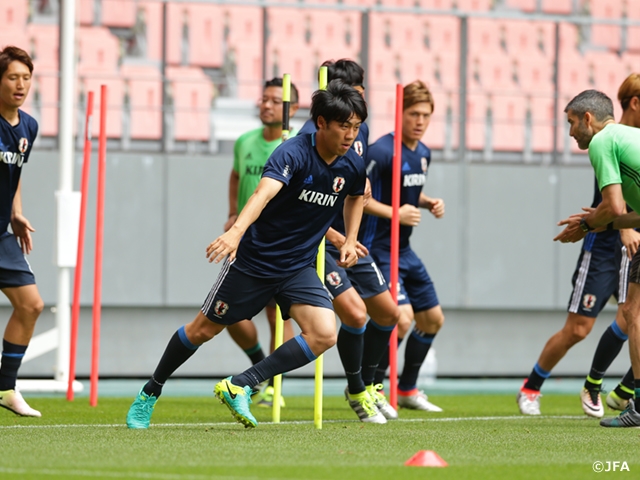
(364, 276)
(238, 296)
(600, 274)
(414, 283)
(14, 268)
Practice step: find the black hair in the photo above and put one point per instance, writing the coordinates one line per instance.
(592, 101)
(277, 82)
(337, 103)
(346, 70)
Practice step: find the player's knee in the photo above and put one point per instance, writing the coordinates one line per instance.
(29, 311)
(355, 318)
(326, 340)
(578, 333)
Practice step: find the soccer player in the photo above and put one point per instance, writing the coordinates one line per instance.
(358, 290)
(271, 251)
(417, 296)
(250, 153)
(614, 152)
(17, 133)
(601, 271)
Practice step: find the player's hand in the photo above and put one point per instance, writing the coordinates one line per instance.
(361, 250)
(409, 215)
(225, 244)
(631, 240)
(22, 230)
(348, 255)
(572, 232)
(437, 207)
(229, 223)
(367, 193)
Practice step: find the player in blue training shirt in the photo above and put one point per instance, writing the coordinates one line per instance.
(17, 133)
(271, 250)
(356, 291)
(416, 296)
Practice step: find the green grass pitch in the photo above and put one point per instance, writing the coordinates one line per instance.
(480, 436)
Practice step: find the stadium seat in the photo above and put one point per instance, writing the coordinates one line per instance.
(14, 37)
(244, 24)
(536, 74)
(477, 104)
(606, 35)
(14, 14)
(437, 4)
(299, 63)
(205, 36)
(43, 40)
(608, 71)
(542, 122)
(558, 6)
(483, 36)
(474, 5)
(569, 38)
(98, 49)
(47, 85)
(92, 81)
(573, 74)
(149, 14)
(86, 12)
(192, 95)
(633, 33)
(509, 112)
(336, 34)
(144, 87)
(522, 5)
(118, 13)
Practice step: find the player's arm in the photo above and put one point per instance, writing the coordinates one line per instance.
(234, 180)
(434, 205)
(227, 244)
(337, 240)
(409, 215)
(19, 224)
(352, 216)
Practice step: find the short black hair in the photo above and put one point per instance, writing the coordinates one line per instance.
(592, 101)
(277, 82)
(337, 103)
(346, 70)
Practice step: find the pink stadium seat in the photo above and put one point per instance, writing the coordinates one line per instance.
(98, 49)
(542, 123)
(524, 38)
(476, 120)
(48, 91)
(633, 33)
(92, 81)
(437, 4)
(299, 63)
(179, 17)
(144, 86)
(118, 13)
(244, 24)
(17, 37)
(150, 14)
(558, 6)
(573, 74)
(13, 14)
(508, 122)
(474, 5)
(444, 34)
(44, 41)
(496, 73)
(332, 31)
(602, 34)
(608, 72)
(249, 71)
(536, 74)
(205, 36)
(569, 38)
(483, 36)
(86, 12)
(524, 5)
(192, 93)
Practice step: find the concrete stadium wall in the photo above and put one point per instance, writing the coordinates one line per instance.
(503, 283)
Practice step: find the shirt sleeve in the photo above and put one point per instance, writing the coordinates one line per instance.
(378, 162)
(282, 163)
(606, 165)
(236, 156)
(360, 179)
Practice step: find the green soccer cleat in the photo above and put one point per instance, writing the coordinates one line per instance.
(237, 399)
(140, 411)
(364, 406)
(627, 419)
(380, 401)
(265, 398)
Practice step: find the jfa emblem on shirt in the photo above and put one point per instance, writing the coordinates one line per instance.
(588, 301)
(221, 308)
(334, 279)
(357, 146)
(425, 164)
(338, 184)
(23, 144)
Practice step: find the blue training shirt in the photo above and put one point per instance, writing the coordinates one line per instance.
(360, 146)
(15, 147)
(286, 236)
(377, 231)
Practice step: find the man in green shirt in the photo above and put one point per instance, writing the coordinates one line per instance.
(251, 151)
(614, 152)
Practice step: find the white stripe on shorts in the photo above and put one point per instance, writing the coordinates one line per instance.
(623, 277)
(212, 294)
(378, 273)
(580, 281)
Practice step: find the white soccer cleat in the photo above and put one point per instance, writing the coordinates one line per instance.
(592, 403)
(528, 401)
(417, 401)
(12, 400)
(364, 406)
(615, 402)
(380, 401)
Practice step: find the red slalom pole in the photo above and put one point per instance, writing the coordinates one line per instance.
(97, 283)
(395, 243)
(77, 282)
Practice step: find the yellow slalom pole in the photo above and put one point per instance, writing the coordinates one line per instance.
(317, 398)
(277, 380)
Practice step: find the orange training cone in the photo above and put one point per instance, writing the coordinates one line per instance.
(426, 458)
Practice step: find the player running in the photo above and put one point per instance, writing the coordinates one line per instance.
(271, 251)
(17, 134)
(416, 296)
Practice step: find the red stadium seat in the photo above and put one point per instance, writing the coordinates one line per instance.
(483, 36)
(573, 74)
(118, 13)
(542, 123)
(44, 42)
(86, 12)
(606, 35)
(98, 49)
(192, 93)
(144, 87)
(336, 34)
(509, 114)
(13, 14)
(536, 74)
(569, 38)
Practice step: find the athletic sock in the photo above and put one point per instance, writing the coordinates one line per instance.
(179, 350)
(350, 347)
(624, 390)
(636, 385)
(415, 352)
(536, 378)
(11, 359)
(255, 354)
(608, 349)
(376, 341)
(383, 364)
(292, 354)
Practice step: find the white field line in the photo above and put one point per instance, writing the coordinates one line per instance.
(107, 474)
(295, 422)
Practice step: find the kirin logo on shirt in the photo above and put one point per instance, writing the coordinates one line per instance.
(357, 146)
(334, 279)
(221, 308)
(338, 184)
(424, 163)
